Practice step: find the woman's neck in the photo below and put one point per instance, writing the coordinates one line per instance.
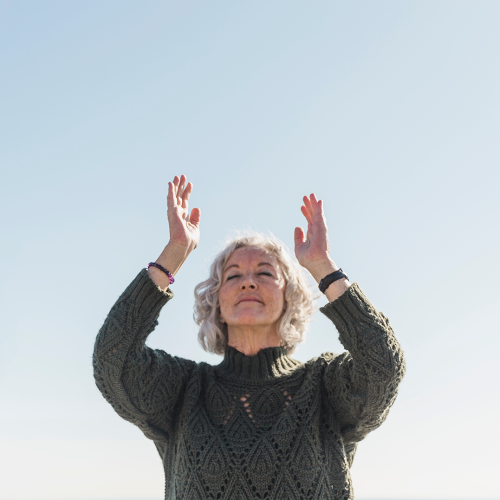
(250, 340)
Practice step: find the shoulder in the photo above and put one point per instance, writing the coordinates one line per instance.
(325, 360)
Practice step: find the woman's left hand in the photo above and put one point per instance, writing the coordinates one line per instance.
(313, 252)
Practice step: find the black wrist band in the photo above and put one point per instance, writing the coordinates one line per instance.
(328, 280)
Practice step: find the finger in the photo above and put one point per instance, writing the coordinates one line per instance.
(195, 216)
(186, 194)
(180, 191)
(320, 207)
(176, 186)
(308, 205)
(170, 195)
(314, 203)
(318, 210)
(306, 213)
(321, 214)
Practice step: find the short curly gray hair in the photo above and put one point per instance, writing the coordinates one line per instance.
(299, 300)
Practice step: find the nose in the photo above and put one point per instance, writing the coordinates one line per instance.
(251, 286)
(248, 283)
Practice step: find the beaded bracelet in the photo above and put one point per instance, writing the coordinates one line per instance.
(161, 268)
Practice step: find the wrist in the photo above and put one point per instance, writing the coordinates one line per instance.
(172, 258)
(336, 289)
(180, 248)
(322, 268)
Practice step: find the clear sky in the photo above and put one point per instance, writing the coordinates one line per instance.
(388, 111)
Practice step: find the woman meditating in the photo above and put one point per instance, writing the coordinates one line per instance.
(259, 425)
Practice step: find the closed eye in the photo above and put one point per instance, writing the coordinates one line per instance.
(265, 273)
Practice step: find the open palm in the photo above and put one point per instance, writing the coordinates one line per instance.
(313, 247)
(184, 228)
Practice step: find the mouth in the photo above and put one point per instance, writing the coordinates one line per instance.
(250, 300)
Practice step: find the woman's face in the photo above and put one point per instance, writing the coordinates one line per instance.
(253, 288)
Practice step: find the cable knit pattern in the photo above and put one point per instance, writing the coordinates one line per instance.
(253, 427)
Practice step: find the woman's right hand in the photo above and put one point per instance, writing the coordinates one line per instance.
(184, 228)
(184, 232)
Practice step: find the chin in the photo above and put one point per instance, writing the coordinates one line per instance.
(249, 320)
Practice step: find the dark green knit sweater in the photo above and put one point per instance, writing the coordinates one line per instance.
(253, 427)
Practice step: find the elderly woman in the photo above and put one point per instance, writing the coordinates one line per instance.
(260, 425)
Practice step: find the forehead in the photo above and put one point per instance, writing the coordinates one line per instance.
(251, 256)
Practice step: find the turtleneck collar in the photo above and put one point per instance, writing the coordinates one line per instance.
(268, 364)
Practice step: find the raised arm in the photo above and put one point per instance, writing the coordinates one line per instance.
(144, 385)
(184, 231)
(312, 251)
(361, 384)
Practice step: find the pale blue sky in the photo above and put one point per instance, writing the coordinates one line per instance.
(389, 111)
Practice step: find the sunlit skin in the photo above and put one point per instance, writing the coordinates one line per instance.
(252, 299)
(251, 326)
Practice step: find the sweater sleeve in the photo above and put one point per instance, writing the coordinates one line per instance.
(362, 383)
(143, 385)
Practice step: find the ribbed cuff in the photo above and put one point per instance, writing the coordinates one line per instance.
(352, 306)
(146, 295)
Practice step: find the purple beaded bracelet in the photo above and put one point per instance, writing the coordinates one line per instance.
(161, 268)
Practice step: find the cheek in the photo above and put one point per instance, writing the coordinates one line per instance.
(224, 297)
(278, 300)
(222, 300)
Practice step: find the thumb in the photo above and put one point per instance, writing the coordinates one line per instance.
(298, 236)
(194, 218)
